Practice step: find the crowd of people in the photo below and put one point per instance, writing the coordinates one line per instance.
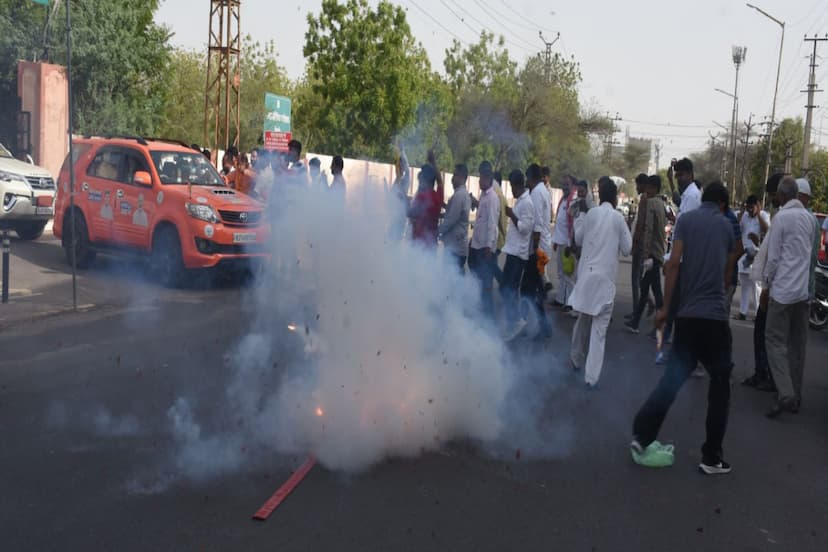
(710, 252)
(257, 173)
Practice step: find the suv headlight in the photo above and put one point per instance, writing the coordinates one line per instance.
(202, 212)
(11, 176)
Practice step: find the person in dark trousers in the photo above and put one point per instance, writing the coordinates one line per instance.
(518, 243)
(704, 256)
(639, 249)
(654, 216)
(541, 246)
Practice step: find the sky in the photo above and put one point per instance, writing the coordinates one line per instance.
(655, 63)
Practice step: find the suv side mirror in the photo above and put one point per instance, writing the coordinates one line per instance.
(142, 178)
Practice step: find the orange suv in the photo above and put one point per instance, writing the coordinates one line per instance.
(161, 199)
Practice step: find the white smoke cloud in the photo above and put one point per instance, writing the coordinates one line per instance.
(359, 348)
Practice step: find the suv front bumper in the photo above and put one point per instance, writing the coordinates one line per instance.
(18, 202)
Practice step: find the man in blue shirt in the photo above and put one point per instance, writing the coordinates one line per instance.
(703, 260)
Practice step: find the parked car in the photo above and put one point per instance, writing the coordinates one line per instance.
(28, 193)
(159, 199)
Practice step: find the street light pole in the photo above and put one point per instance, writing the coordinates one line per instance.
(738, 58)
(73, 237)
(731, 131)
(775, 90)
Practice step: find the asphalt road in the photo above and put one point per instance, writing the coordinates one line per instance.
(85, 462)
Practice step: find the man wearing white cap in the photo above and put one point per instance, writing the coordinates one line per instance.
(786, 272)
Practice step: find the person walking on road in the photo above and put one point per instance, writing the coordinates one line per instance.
(787, 274)
(652, 249)
(701, 265)
(484, 237)
(754, 224)
(454, 230)
(541, 247)
(518, 243)
(639, 249)
(561, 238)
(602, 234)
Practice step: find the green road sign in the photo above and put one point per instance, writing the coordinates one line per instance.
(277, 113)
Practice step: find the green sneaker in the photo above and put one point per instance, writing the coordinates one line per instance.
(655, 455)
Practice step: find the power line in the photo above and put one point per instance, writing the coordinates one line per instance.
(463, 21)
(807, 15)
(519, 23)
(514, 11)
(667, 124)
(437, 21)
(498, 22)
(531, 49)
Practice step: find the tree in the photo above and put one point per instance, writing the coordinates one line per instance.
(21, 32)
(118, 59)
(182, 116)
(787, 151)
(368, 73)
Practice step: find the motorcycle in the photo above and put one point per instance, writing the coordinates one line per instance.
(818, 312)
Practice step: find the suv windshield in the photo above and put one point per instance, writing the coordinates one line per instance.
(176, 167)
(4, 152)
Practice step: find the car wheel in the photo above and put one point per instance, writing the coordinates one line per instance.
(30, 230)
(166, 260)
(84, 255)
(817, 316)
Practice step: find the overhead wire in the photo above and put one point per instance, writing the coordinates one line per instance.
(514, 11)
(667, 124)
(437, 21)
(499, 14)
(484, 27)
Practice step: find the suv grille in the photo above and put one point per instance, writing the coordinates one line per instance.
(46, 183)
(241, 218)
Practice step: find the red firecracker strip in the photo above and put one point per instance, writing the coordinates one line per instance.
(280, 495)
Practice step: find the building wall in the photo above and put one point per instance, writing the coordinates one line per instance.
(43, 92)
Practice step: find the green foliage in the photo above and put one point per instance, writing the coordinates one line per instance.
(182, 116)
(21, 37)
(788, 139)
(368, 73)
(118, 57)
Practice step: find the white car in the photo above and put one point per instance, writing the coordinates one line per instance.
(27, 193)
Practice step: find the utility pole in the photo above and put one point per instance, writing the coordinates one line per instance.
(547, 58)
(611, 137)
(740, 194)
(788, 156)
(222, 111)
(812, 88)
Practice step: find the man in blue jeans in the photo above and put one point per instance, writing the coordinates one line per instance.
(704, 256)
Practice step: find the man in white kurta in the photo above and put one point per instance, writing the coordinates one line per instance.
(603, 236)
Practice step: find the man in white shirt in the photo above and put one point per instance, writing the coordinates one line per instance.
(518, 238)
(787, 273)
(603, 235)
(754, 225)
(561, 238)
(454, 230)
(541, 246)
(484, 237)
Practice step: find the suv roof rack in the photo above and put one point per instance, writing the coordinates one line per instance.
(170, 141)
(138, 139)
